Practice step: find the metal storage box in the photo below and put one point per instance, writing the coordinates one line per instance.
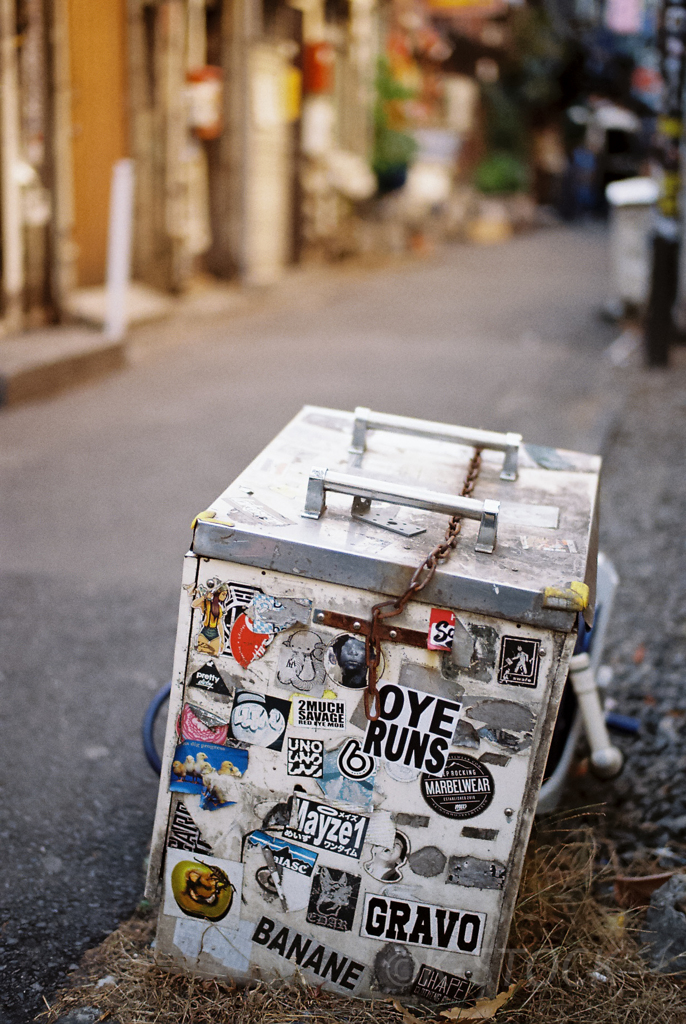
(293, 834)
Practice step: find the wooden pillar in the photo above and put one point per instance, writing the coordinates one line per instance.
(12, 226)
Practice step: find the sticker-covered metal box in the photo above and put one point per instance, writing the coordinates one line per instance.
(372, 855)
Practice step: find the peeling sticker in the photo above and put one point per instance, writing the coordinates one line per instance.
(441, 630)
(206, 887)
(466, 735)
(327, 828)
(336, 786)
(247, 644)
(259, 720)
(427, 862)
(333, 899)
(209, 678)
(197, 724)
(411, 820)
(317, 713)
(479, 874)
(222, 605)
(282, 871)
(385, 862)
(394, 968)
(230, 946)
(401, 772)
(502, 714)
(548, 544)
(413, 727)
(207, 769)
(498, 759)
(184, 834)
(301, 661)
(483, 657)
(345, 662)
(381, 831)
(439, 987)
(508, 740)
(272, 615)
(304, 757)
(519, 658)
(429, 680)
(464, 790)
(422, 924)
(309, 954)
(488, 834)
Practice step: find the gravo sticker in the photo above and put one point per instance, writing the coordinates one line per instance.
(309, 954)
(328, 828)
(333, 899)
(438, 986)
(464, 789)
(441, 630)
(519, 658)
(422, 924)
(305, 757)
(312, 713)
(414, 728)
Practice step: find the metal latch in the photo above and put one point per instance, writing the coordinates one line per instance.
(323, 480)
(366, 420)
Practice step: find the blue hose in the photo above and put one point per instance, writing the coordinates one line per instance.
(148, 728)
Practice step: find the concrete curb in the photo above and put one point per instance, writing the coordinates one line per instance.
(41, 363)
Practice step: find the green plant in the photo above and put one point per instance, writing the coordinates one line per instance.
(501, 173)
(393, 148)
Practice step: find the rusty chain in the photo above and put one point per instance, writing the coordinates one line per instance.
(421, 577)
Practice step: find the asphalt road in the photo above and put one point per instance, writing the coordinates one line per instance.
(99, 485)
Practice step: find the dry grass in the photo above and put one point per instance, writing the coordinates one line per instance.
(573, 954)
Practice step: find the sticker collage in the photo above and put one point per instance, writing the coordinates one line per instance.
(303, 836)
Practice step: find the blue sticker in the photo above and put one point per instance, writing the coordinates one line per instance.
(210, 770)
(338, 786)
(286, 855)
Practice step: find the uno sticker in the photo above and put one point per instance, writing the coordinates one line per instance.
(441, 630)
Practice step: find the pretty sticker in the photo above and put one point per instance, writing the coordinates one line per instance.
(327, 828)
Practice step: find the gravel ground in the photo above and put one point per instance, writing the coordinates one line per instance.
(642, 530)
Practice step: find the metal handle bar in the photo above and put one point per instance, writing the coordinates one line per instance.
(323, 480)
(366, 420)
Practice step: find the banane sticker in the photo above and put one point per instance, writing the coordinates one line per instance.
(422, 924)
(327, 828)
(414, 728)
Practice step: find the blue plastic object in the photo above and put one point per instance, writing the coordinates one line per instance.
(148, 728)
(622, 723)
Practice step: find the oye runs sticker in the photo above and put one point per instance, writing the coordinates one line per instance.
(414, 728)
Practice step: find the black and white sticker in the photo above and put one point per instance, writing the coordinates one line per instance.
(422, 924)
(259, 719)
(209, 678)
(414, 728)
(353, 763)
(184, 834)
(438, 986)
(519, 659)
(305, 757)
(311, 713)
(464, 789)
(308, 954)
(327, 828)
(333, 899)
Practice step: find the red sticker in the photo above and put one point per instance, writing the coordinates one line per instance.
(191, 728)
(245, 644)
(441, 630)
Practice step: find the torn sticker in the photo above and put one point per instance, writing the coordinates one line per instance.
(345, 662)
(202, 887)
(304, 757)
(394, 968)
(337, 786)
(548, 544)
(401, 772)
(301, 661)
(197, 724)
(489, 835)
(333, 899)
(282, 871)
(381, 830)
(427, 862)
(230, 946)
(327, 828)
(484, 641)
(411, 820)
(385, 862)
(209, 679)
(221, 605)
(466, 735)
(246, 643)
(441, 630)
(316, 713)
(422, 924)
(500, 760)
(259, 720)
(464, 789)
(476, 873)
(502, 714)
(519, 659)
(274, 614)
(184, 834)
(438, 987)
(414, 728)
(309, 954)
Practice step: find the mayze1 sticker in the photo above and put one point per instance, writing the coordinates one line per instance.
(422, 924)
(464, 789)
(327, 828)
(441, 630)
(413, 727)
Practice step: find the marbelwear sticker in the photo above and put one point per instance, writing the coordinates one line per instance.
(464, 789)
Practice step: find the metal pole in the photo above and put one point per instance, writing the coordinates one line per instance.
(119, 249)
(666, 240)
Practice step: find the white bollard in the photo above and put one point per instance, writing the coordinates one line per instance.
(119, 249)
(606, 759)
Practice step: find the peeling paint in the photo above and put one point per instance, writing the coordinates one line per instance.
(503, 714)
(411, 820)
(476, 873)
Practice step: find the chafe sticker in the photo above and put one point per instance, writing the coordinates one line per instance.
(441, 630)
(464, 789)
(209, 678)
(304, 757)
(438, 986)
(333, 899)
(519, 659)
